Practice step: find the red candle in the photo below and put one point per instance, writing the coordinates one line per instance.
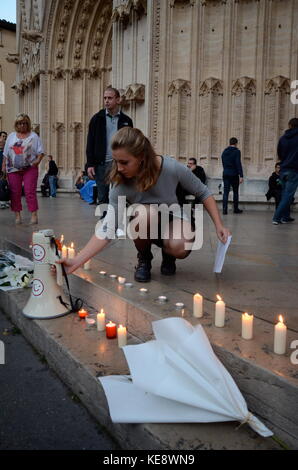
(111, 330)
(83, 313)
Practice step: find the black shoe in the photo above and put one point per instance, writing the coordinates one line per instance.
(142, 270)
(168, 265)
(225, 212)
(238, 211)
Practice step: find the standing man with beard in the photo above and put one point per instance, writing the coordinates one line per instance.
(102, 127)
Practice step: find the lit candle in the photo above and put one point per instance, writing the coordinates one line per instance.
(220, 308)
(280, 337)
(121, 280)
(122, 336)
(64, 251)
(101, 320)
(62, 239)
(87, 265)
(71, 251)
(83, 313)
(179, 305)
(143, 290)
(103, 273)
(247, 326)
(197, 305)
(162, 298)
(113, 276)
(111, 330)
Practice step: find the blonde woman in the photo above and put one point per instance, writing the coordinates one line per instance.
(147, 179)
(22, 154)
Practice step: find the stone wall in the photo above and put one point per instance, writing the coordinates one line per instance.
(191, 73)
(7, 76)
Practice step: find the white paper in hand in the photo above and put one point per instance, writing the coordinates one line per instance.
(220, 254)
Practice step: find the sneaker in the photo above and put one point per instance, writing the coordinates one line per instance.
(287, 221)
(143, 268)
(238, 211)
(168, 265)
(276, 222)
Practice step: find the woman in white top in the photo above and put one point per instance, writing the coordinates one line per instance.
(142, 179)
(22, 154)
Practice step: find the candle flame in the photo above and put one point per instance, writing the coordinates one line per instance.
(120, 326)
(219, 297)
(71, 245)
(62, 238)
(101, 310)
(247, 315)
(281, 318)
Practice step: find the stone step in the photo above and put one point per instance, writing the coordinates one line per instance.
(80, 354)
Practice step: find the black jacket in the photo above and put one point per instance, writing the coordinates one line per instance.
(200, 173)
(275, 186)
(231, 162)
(53, 170)
(97, 139)
(287, 150)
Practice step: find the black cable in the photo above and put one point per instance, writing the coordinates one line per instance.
(76, 304)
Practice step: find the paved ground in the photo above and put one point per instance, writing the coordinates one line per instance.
(40, 413)
(260, 274)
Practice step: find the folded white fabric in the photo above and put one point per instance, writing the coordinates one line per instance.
(176, 378)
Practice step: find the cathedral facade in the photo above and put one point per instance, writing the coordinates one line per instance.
(192, 74)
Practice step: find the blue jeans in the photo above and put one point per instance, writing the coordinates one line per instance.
(53, 185)
(289, 180)
(228, 182)
(101, 173)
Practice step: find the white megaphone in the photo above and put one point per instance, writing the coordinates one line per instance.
(46, 300)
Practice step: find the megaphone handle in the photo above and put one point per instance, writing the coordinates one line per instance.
(59, 275)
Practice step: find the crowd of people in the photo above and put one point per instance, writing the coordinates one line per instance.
(122, 162)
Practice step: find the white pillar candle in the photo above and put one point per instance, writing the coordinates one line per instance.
(101, 321)
(87, 265)
(64, 251)
(280, 337)
(121, 280)
(197, 305)
(247, 326)
(122, 336)
(71, 251)
(220, 309)
(62, 239)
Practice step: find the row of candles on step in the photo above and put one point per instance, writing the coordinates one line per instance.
(280, 329)
(110, 328)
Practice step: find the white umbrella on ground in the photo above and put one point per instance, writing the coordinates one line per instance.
(176, 378)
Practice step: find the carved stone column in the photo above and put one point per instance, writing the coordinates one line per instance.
(243, 113)
(179, 97)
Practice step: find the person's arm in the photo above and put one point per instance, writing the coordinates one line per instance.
(239, 166)
(93, 247)
(211, 207)
(37, 160)
(4, 165)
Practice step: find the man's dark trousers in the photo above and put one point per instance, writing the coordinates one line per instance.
(101, 175)
(228, 182)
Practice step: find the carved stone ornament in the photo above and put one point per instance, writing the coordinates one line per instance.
(76, 126)
(13, 58)
(123, 12)
(211, 85)
(135, 92)
(58, 73)
(244, 84)
(212, 2)
(278, 84)
(59, 126)
(179, 87)
(33, 36)
(182, 3)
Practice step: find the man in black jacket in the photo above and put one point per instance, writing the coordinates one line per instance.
(52, 175)
(232, 174)
(287, 151)
(102, 127)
